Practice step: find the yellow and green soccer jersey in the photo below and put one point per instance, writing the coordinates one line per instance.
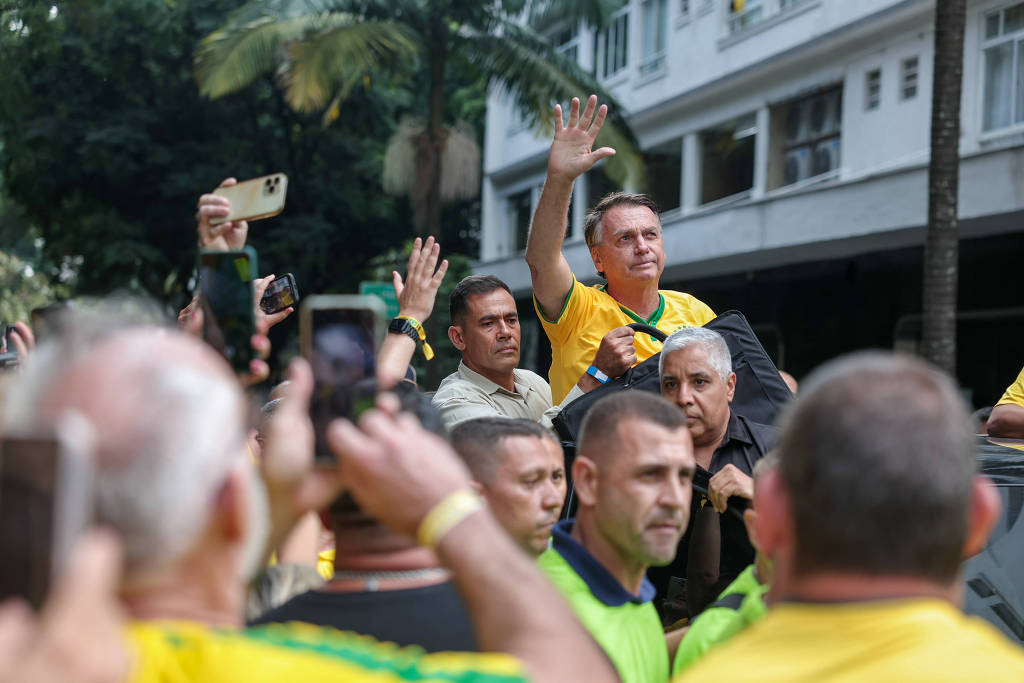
(1014, 394)
(589, 313)
(881, 640)
(180, 652)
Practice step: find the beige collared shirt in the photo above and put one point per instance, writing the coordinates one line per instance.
(465, 395)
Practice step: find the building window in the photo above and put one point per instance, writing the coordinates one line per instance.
(744, 13)
(805, 138)
(665, 173)
(612, 45)
(727, 159)
(520, 211)
(872, 89)
(655, 16)
(908, 78)
(567, 41)
(1003, 98)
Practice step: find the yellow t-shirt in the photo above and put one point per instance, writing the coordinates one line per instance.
(589, 313)
(1014, 394)
(883, 640)
(179, 652)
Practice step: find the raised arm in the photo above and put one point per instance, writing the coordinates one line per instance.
(571, 155)
(416, 296)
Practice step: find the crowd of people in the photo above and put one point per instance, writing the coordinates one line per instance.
(454, 540)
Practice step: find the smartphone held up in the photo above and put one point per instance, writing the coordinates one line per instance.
(339, 336)
(254, 199)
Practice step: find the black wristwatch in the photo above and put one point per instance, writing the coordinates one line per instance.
(403, 326)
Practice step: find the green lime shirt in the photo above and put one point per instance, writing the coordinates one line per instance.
(625, 625)
(738, 606)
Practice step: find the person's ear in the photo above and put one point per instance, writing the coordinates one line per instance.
(455, 335)
(232, 507)
(730, 385)
(986, 507)
(596, 256)
(772, 523)
(584, 478)
(750, 521)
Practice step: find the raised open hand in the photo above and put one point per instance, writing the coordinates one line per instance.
(417, 293)
(572, 152)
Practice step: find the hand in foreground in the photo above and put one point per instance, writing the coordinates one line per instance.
(616, 354)
(24, 342)
(417, 294)
(294, 485)
(79, 636)
(727, 482)
(396, 470)
(572, 152)
(227, 236)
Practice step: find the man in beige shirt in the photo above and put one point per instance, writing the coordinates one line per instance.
(488, 383)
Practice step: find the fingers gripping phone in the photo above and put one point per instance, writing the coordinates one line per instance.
(280, 294)
(45, 505)
(254, 199)
(339, 336)
(226, 298)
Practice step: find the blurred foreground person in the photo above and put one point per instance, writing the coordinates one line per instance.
(633, 478)
(873, 508)
(175, 481)
(519, 468)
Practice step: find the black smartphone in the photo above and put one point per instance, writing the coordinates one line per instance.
(227, 301)
(280, 294)
(45, 505)
(339, 335)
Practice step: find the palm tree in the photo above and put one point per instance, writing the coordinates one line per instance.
(320, 50)
(941, 246)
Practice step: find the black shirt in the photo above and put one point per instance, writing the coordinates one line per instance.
(721, 549)
(433, 617)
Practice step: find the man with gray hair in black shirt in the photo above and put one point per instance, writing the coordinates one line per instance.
(696, 374)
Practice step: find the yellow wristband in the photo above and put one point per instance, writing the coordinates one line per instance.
(428, 352)
(444, 516)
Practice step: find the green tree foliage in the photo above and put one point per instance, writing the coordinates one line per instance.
(320, 49)
(107, 145)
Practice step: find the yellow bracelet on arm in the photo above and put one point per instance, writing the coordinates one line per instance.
(444, 516)
(428, 352)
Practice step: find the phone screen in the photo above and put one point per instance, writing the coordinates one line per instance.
(226, 298)
(28, 517)
(280, 294)
(342, 353)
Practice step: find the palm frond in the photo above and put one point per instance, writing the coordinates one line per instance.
(526, 67)
(335, 57)
(234, 56)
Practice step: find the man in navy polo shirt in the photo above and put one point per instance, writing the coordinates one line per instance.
(632, 474)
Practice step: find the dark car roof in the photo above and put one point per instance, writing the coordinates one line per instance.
(1002, 460)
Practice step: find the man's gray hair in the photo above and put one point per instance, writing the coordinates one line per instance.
(712, 342)
(174, 436)
(878, 459)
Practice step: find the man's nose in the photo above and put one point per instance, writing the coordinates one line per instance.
(684, 396)
(641, 244)
(551, 497)
(673, 494)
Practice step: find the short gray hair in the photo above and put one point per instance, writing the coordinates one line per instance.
(178, 434)
(713, 343)
(878, 458)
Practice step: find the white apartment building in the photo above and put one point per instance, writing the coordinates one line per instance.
(787, 145)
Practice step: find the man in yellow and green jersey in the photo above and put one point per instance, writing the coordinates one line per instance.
(1007, 419)
(623, 233)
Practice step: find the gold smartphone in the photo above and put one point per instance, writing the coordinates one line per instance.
(254, 199)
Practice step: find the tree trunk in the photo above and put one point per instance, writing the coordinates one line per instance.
(941, 246)
(426, 193)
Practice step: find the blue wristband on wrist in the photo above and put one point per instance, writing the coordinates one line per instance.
(597, 374)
